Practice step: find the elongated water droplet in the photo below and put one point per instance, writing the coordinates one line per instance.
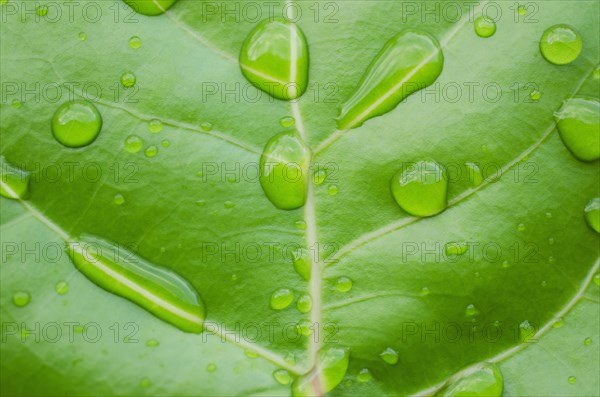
(484, 27)
(456, 249)
(281, 299)
(572, 380)
(475, 174)
(128, 79)
(21, 298)
(282, 376)
(302, 262)
(212, 367)
(251, 354)
(579, 127)
(150, 7)
(206, 126)
(587, 341)
(343, 284)
(558, 323)
(420, 188)
(284, 167)
(486, 381)
(409, 62)
(328, 372)
(135, 42)
(304, 304)
(300, 225)
(592, 214)
(389, 355)
(15, 181)
(287, 121)
(274, 58)
(152, 343)
(62, 287)
(159, 290)
(76, 124)
(560, 44)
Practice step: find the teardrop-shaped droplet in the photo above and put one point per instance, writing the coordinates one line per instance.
(14, 181)
(328, 372)
(281, 298)
(560, 44)
(76, 123)
(484, 27)
(409, 62)
(420, 188)
(284, 167)
(304, 304)
(302, 262)
(579, 127)
(389, 355)
(150, 7)
(592, 214)
(475, 174)
(486, 381)
(274, 58)
(159, 290)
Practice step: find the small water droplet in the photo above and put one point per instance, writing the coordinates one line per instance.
(82, 36)
(151, 151)
(228, 204)
(135, 42)
(152, 343)
(471, 310)
(486, 381)
(211, 367)
(41, 10)
(155, 126)
(420, 188)
(551, 259)
(304, 303)
(145, 383)
(572, 380)
(62, 287)
(319, 176)
(526, 331)
(579, 127)
(535, 95)
(290, 358)
(165, 143)
(425, 291)
(343, 284)
(551, 241)
(118, 199)
(281, 299)
(21, 298)
(389, 355)
(128, 79)
(587, 341)
(304, 328)
(559, 322)
(505, 264)
(16, 104)
(300, 225)
(302, 263)
(592, 214)
(251, 354)
(548, 215)
(560, 44)
(76, 123)
(287, 122)
(15, 181)
(456, 248)
(521, 227)
(484, 27)
(544, 283)
(475, 174)
(522, 10)
(282, 376)
(206, 126)
(597, 279)
(364, 375)
(133, 144)
(274, 58)
(200, 203)
(332, 190)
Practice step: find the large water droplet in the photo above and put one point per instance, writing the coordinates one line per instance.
(21, 298)
(159, 290)
(302, 262)
(304, 303)
(486, 381)
(409, 62)
(579, 127)
(281, 298)
(76, 123)
(15, 181)
(274, 58)
(592, 214)
(343, 284)
(328, 372)
(284, 167)
(420, 188)
(484, 27)
(560, 44)
(150, 7)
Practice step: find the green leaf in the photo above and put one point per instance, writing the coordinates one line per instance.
(190, 200)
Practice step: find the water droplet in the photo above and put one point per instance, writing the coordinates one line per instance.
(284, 167)
(526, 331)
(287, 122)
(592, 214)
(133, 144)
(82, 36)
(304, 303)
(145, 383)
(228, 204)
(165, 143)
(471, 310)
(486, 381)
(300, 225)
(560, 44)
(151, 151)
(152, 343)
(304, 328)
(15, 181)
(456, 248)
(21, 298)
(572, 380)
(559, 322)
(76, 124)
(281, 299)
(505, 264)
(135, 42)
(597, 279)
(251, 354)
(211, 367)
(16, 104)
(409, 62)
(420, 188)
(206, 126)
(41, 10)
(155, 126)
(157, 289)
(484, 27)
(290, 358)
(587, 341)
(319, 176)
(153, 7)
(119, 199)
(521, 227)
(128, 79)
(548, 215)
(551, 241)
(330, 369)
(522, 10)
(389, 355)
(544, 283)
(200, 203)
(332, 190)
(579, 127)
(302, 262)
(282, 376)
(343, 284)
(551, 259)
(274, 58)
(475, 174)
(425, 291)
(364, 375)
(62, 287)
(535, 95)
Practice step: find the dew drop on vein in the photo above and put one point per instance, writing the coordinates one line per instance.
(281, 298)
(330, 369)
(485, 381)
